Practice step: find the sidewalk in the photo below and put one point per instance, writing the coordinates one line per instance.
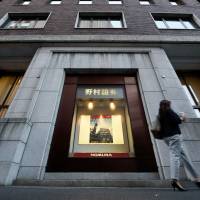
(94, 193)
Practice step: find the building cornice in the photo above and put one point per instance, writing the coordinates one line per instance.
(100, 38)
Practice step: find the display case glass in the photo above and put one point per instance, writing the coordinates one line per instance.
(101, 125)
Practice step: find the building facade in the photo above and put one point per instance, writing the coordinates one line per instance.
(81, 82)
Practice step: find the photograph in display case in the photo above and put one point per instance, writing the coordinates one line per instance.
(101, 129)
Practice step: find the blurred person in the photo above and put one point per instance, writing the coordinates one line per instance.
(171, 134)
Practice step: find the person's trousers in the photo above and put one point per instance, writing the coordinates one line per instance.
(177, 155)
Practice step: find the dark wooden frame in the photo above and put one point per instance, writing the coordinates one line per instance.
(58, 161)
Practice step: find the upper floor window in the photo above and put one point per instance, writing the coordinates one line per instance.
(145, 2)
(55, 2)
(100, 20)
(175, 2)
(25, 2)
(9, 85)
(118, 2)
(24, 20)
(175, 23)
(191, 86)
(85, 1)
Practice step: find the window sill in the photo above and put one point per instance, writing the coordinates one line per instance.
(21, 29)
(101, 28)
(196, 29)
(21, 5)
(55, 4)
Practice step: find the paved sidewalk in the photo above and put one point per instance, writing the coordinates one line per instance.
(88, 193)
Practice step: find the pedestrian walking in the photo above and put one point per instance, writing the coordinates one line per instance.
(170, 132)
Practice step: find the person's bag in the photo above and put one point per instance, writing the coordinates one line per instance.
(156, 130)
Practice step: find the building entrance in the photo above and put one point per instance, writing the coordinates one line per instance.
(101, 127)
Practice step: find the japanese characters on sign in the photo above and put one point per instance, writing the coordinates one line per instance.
(98, 92)
(102, 92)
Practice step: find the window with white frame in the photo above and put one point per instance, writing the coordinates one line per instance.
(25, 2)
(55, 2)
(145, 2)
(115, 2)
(100, 20)
(85, 2)
(24, 20)
(175, 23)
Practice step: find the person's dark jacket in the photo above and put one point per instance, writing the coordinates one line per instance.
(169, 122)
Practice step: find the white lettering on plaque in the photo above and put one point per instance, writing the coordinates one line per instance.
(102, 92)
(101, 154)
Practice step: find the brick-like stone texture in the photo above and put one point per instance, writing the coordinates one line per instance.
(63, 17)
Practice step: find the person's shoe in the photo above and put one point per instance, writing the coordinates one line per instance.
(197, 181)
(197, 184)
(176, 184)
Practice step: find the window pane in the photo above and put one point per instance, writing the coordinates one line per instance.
(116, 23)
(55, 2)
(85, 2)
(197, 112)
(25, 3)
(174, 3)
(100, 23)
(188, 24)
(40, 24)
(25, 21)
(114, 2)
(189, 95)
(144, 2)
(193, 93)
(84, 23)
(8, 88)
(11, 24)
(6, 83)
(192, 89)
(175, 24)
(191, 100)
(160, 24)
(3, 112)
(13, 91)
(194, 82)
(24, 24)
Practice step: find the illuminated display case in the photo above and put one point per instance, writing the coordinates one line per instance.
(101, 123)
(101, 127)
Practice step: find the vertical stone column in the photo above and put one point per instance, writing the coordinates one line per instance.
(16, 126)
(13, 138)
(161, 82)
(42, 114)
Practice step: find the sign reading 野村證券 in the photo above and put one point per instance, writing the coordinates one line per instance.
(100, 92)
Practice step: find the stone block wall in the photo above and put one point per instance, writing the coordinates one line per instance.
(40, 91)
(14, 134)
(63, 17)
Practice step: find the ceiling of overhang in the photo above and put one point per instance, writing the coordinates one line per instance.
(183, 56)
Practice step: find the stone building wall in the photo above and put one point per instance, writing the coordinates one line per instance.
(38, 98)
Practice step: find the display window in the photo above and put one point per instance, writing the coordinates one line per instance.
(101, 123)
(101, 127)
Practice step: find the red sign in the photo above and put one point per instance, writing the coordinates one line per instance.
(101, 155)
